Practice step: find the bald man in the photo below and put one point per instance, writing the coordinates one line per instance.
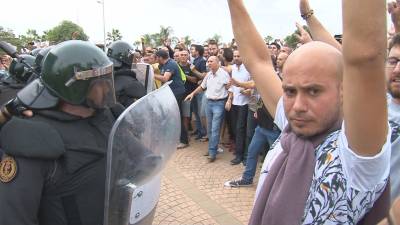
(331, 163)
(216, 85)
(280, 61)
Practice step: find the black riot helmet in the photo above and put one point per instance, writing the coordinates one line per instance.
(121, 53)
(35, 51)
(21, 68)
(76, 72)
(39, 58)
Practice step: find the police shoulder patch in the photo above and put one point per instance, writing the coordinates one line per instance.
(8, 169)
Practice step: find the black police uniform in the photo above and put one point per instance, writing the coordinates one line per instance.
(9, 89)
(127, 88)
(61, 163)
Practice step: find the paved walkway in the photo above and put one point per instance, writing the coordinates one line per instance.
(193, 190)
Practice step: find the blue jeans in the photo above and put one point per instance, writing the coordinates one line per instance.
(250, 127)
(196, 104)
(215, 114)
(260, 138)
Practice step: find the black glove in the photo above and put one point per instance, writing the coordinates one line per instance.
(12, 108)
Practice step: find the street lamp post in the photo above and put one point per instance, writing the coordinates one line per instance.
(104, 25)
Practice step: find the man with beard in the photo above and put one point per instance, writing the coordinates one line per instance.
(331, 163)
(393, 86)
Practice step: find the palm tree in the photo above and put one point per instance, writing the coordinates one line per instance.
(147, 39)
(165, 32)
(216, 38)
(187, 40)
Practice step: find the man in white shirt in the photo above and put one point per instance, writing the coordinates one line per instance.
(393, 84)
(331, 163)
(216, 85)
(240, 102)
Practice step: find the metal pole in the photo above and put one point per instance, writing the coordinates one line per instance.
(104, 28)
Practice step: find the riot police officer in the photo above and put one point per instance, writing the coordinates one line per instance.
(39, 58)
(56, 174)
(127, 87)
(20, 72)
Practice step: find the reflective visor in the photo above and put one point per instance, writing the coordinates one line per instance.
(101, 92)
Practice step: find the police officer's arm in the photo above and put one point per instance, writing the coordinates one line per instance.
(255, 55)
(364, 93)
(318, 31)
(13, 108)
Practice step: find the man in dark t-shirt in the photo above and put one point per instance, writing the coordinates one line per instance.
(190, 86)
(199, 69)
(169, 70)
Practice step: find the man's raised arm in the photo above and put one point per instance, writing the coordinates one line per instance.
(318, 31)
(364, 93)
(255, 55)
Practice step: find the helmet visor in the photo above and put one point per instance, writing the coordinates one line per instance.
(101, 92)
(36, 96)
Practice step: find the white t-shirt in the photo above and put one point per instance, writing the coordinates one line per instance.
(394, 120)
(215, 84)
(344, 185)
(241, 74)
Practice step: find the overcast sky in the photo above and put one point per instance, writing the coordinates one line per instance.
(199, 19)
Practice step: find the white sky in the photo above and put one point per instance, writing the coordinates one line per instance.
(199, 19)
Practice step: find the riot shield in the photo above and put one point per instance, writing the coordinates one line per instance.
(141, 142)
(145, 75)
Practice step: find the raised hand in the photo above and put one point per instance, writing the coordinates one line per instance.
(304, 36)
(394, 11)
(304, 7)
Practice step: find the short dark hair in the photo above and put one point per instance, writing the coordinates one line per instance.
(179, 48)
(395, 41)
(277, 45)
(199, 49)
(212, 42)
(163, 54)
(228, 54)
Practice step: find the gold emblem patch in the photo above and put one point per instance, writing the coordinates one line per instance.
(8, 169)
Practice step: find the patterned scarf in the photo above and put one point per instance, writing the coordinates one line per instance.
(284, 193)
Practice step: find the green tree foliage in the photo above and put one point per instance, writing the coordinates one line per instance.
(187, 40)
(115, 35)
(216, 38)
(165, 33)
(157, 39)
(268, 39)
(30, 36)
(292, 41)
(66, 30)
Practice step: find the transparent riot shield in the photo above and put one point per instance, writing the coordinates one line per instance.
(145, 75)
(141, 142)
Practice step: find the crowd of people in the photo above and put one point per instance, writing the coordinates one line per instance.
(324, 114)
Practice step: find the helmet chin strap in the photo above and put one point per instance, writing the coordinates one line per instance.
(77, 110)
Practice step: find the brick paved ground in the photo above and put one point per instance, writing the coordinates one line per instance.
(193, 190)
